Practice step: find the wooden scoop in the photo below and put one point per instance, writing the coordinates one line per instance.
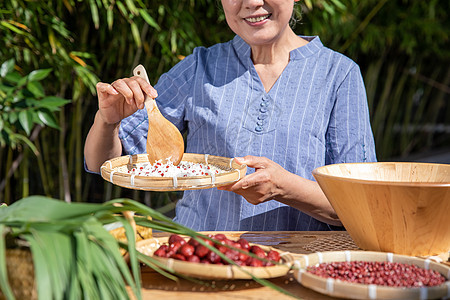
(164, 140)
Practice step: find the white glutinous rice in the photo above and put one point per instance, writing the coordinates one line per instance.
(168, 169)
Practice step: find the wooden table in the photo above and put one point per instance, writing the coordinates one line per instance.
(155, 286)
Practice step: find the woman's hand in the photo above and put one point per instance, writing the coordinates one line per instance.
(122, 98)
(263, 185)
(271, 181)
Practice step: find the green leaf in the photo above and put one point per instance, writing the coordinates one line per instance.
(48, 118)
(4, 283)
(36, 89)
(136, 34)
(52, 102)
(26, 120)
(131, 6)
(41, 269)
(149, 19)
(26, 141)
(44, 209)
(110, 17)
(94, 12)
(122, 9)
(13, 28)
(13, 77)
(38, 75)
(7, 67)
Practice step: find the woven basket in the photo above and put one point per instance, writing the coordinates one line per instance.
(20, 269)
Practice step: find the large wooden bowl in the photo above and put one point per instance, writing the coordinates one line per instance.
(396, 207)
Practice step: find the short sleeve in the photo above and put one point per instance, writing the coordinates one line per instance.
(349, 134)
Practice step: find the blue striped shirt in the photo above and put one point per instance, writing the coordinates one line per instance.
(316, 113)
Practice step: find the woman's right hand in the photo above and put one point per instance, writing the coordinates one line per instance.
(122, 98)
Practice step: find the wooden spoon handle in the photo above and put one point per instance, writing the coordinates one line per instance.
(141, 72)
(164, 140)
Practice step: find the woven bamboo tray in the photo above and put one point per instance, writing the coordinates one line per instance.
(233, 172)
(341, 289)
(219, 272)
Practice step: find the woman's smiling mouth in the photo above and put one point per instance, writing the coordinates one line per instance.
(257, 19)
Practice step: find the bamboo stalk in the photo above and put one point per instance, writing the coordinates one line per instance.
(41, 167)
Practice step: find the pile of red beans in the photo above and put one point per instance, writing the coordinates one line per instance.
(379, 273)
(193, 251)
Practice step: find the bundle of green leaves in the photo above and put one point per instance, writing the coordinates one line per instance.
(74, 255)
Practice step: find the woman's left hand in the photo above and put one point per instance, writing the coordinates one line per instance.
(263, 185)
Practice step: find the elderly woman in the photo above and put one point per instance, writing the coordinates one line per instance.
(280, 103)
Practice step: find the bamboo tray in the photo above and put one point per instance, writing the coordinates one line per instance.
(233, 172)
(341, 289)
(217, 272)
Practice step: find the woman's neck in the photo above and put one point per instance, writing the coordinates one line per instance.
(278, 51)
(270, 60)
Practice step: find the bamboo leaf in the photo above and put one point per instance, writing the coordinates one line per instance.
(131, 6)
(13, 28)
(136, 34)
(122, 9)
(7, 67)
(4, 283)
(52, 102)
(149, 19)
(94, 12)
(48, 118)
(110, 17)
(36, 89)
(38, 75)
(41, 270)
(43, 209)
(25, 140)
(26, 120)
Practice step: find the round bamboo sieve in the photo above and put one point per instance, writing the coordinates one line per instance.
(342, 289)
(233, 172)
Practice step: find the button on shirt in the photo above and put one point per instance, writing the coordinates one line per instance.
(316, 113)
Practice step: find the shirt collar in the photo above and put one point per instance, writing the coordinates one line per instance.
(315, 44)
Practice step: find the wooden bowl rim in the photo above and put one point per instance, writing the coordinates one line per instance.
(318, 172)
(335, 287)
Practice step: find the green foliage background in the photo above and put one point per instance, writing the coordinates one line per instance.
(402, 47)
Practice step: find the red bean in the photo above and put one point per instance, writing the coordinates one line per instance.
(193, 242)
(176, 238)
(194, 251)
(273, 255)
(160, 252)
(220, 237)
(186, 250)
(194, 258)
(201, 251)
(254, 262)
(213, 257)
(379, 273)
(178, 256)
(258, 251)
(244, 243)
(174, 246)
